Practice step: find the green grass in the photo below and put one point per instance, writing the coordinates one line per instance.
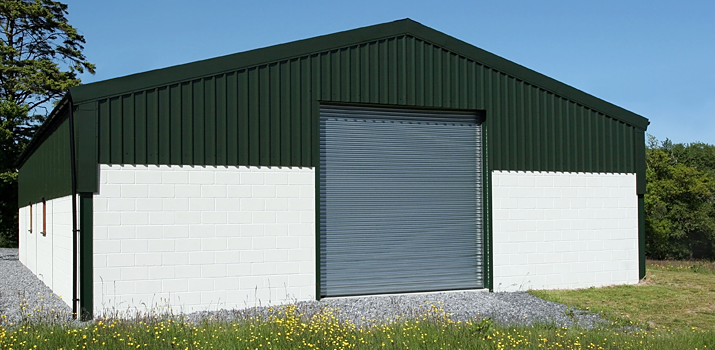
(288, 330)
(676, 296)
(653, 305)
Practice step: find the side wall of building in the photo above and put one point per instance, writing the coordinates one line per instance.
(49, 255)
(564, 230)
(199, 238)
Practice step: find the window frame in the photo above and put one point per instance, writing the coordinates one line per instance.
(44, 217)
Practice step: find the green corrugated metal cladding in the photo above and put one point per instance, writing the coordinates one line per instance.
(258, 107)
(46, 172)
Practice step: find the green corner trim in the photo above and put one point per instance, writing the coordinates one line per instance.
(488, 265)
(641, 237)
(315, 111)
(85, 255)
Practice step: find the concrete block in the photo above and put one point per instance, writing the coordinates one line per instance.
(227, 257)
(162, 218)
(214, 270)
(161, 245)
(252, 178)
(161, 273)
(187, 271)
(188, 217)
(175, 204)
(215, 217)
(148, 177)
(239, 243)
(188, 191)
(121, 232)
(133, 245)
(174, 285)
(263, 217)
(120, 177)
(175, 258)
(175, 177)
(134, 191)
(202, 258)
(201, 177)
(239, 217)
(252, 256)
(201, 284)
(147, 259)
(239, 191)
(148, 204)
(134, 273)
(213, 244)
(213, 191)
(120, 260)
(161, 191)
(227, 178)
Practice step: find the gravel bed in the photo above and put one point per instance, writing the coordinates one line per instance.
(513, 308)
(19, 288)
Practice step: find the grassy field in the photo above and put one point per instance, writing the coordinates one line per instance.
(675, 295)
(670, 310)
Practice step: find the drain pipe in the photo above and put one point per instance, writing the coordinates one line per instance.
(75, 231)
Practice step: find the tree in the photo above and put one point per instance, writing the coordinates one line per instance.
(40, 58)
(680, 200)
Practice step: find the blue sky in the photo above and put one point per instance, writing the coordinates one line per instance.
(654, 58)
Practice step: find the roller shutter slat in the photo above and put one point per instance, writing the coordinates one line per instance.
(400, 205)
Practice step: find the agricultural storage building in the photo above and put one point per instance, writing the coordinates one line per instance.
(386, 159)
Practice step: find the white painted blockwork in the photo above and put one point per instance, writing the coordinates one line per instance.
(200, 238)
(49, 256)
(564, 230)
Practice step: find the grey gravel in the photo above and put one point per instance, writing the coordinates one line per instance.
(513, 308)
(19, 288)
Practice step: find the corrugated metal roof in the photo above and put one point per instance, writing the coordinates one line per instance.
(231, 63)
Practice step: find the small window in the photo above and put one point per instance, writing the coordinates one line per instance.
(44, 217)
(30, 218)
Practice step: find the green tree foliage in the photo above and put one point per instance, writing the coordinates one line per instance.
(40, 58)
(680, 200)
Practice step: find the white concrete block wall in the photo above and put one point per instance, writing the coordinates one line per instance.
(49, 256)
(564, 230)
(198, 238)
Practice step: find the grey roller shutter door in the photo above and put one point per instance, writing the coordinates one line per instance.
(400, 201)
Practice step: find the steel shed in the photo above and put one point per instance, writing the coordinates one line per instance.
(385, 159)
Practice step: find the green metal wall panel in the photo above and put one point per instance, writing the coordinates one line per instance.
(46, 172)
(261, 115)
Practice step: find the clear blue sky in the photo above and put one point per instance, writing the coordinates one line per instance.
(654, 58)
